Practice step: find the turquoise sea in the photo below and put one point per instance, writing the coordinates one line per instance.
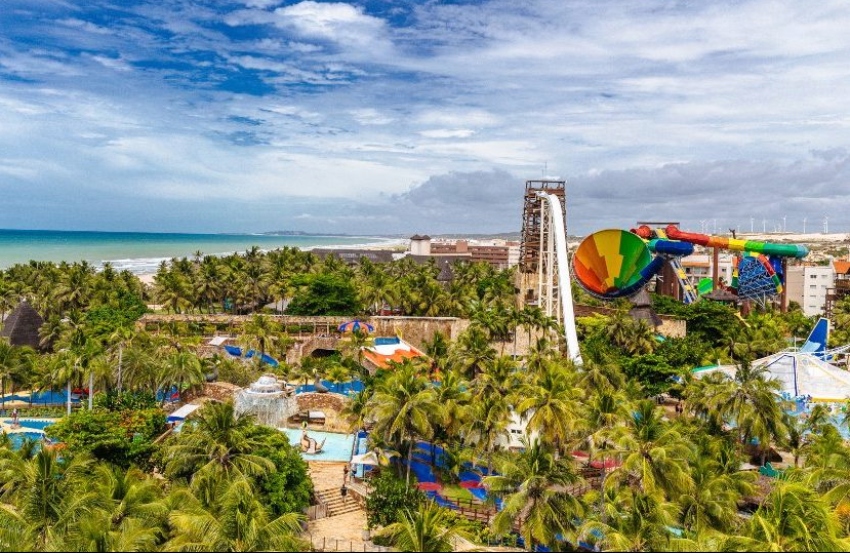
(142, 252)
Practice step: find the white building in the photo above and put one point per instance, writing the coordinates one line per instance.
(808, 286)
(700, 266)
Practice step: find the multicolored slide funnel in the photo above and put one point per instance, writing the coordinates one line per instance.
(615, 263)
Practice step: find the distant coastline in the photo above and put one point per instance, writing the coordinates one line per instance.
(142, 252)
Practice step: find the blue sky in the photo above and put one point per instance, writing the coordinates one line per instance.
(421, 116)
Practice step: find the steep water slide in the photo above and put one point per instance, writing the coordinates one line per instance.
(552, 206)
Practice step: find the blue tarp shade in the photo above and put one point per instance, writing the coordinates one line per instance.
(233, 350)
(237, 352)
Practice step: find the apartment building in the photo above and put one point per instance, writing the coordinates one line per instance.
(809, 286)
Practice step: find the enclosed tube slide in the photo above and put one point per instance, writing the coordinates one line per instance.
(564, 285)
(734, 244)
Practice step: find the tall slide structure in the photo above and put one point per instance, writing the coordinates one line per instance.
(544, 251)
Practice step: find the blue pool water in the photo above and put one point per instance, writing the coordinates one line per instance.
(337, 446)
(344, 388)
(31, 423)
(18, 438)
(44, 398)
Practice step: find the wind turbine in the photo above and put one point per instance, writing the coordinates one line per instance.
(826, 224)
(804, 224)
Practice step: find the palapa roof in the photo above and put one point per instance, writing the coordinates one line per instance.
(643, 310)
(22, 326)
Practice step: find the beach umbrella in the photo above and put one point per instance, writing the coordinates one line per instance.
(355, 326)
(429, 486)
(366, 459)
(470, 484)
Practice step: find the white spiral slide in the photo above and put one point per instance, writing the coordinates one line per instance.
(565, 289)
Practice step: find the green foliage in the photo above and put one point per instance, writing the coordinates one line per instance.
(288, 488)
(389, 499)
(712, 323)
(325, 294)
(106, 319)
(122, 438)
(114, 400)
(652, 371)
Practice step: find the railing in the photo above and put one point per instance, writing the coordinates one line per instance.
(316, 512)
(333, 544)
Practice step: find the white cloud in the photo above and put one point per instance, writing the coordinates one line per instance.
(332, 100)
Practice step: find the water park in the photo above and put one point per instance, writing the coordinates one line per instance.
(545, 407)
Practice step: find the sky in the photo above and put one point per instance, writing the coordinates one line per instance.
(400, 116)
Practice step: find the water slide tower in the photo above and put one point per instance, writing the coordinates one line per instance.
(544, 276)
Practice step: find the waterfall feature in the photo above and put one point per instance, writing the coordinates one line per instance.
(268, 400)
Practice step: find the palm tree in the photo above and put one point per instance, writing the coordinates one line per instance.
(551, 403)
(130, 517)
(535, 487)
(792, 518)
(216, 447)
(472, 352)
(261, 331)
(236, 520)
(653, 451)
(487, 425)
(633, 521)
(404, 408)
(51, 493)
(181, 369)
(605, 409)
(719, 485)
(12, 362)
(428, 529)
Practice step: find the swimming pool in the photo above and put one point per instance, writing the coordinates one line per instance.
(44, 398)
(337, 446)
(18, 438)
(345, 388)
(32, 423)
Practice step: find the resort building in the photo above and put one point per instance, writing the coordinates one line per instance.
(809, 285)
(700, 266)
(353, 257)
(840, 287)
(501, 254)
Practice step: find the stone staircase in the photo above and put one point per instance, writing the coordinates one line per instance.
(337, 505)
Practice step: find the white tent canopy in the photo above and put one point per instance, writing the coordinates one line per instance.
(801, 374)
(365, 459)
(182, 413)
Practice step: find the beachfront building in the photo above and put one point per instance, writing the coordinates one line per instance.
(700, 266)
(353, 256)
(809, 285)
(501, 254)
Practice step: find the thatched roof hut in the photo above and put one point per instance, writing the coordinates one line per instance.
(643, 310)
(22, 326)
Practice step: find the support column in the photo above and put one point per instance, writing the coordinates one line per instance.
(715, 268)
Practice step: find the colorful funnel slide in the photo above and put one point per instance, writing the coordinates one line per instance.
(615, 263)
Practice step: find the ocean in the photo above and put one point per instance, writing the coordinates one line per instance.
(142, 252)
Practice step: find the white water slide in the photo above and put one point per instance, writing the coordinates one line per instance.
(554, 287)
